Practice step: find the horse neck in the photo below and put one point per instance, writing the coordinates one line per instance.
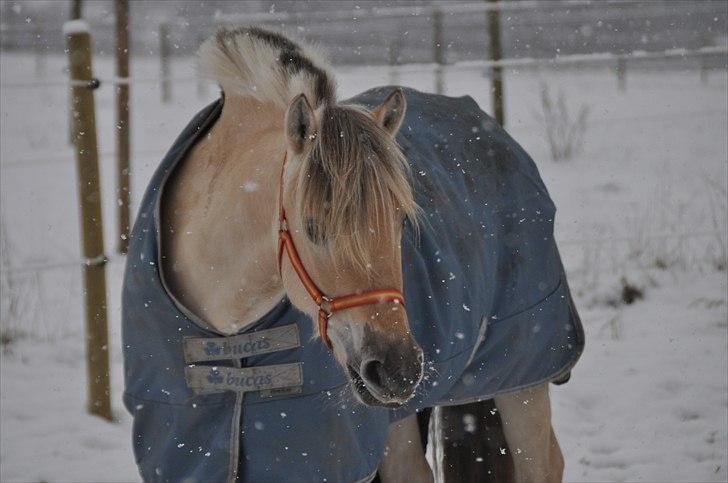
(249, 148)
(237, 165)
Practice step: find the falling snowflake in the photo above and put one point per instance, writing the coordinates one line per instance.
(250, 186)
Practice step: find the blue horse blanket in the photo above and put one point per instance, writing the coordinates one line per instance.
(487, 300)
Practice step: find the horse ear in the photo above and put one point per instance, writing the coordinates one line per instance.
(390, 113)
(299, 123)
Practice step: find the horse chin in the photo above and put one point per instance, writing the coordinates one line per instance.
(365, 396)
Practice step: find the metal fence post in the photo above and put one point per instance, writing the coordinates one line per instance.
(621, 73)
(201, 81)
(393, 52)
(438, 50)
(496, 72)
(165, 87)
(76, 9)
(78, 42)
(122, 124)
(40, 57)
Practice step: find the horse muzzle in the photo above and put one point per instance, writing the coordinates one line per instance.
(387, 376)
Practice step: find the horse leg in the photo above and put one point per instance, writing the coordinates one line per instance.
(404, 459)
(527, 426)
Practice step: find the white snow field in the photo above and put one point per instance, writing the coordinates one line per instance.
(645, 201)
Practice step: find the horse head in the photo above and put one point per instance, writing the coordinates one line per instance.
(346, 196)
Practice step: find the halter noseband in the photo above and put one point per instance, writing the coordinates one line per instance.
(327, 305)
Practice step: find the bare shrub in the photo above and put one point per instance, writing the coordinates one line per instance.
(718, 213)
(21, 300)
(9, 295)
(625, 292)
(564, 131)
(662, 233)
(630, 292)
(36, 302)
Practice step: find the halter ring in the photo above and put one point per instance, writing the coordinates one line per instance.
(325, 305)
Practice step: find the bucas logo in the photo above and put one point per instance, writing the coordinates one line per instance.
(214, 377)
(248, 381)
(250, 347)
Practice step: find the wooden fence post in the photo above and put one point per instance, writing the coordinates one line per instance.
(438, 50)
(76, 14)
(78, 42)
(164, 63)
(496, 72)
(122, 124)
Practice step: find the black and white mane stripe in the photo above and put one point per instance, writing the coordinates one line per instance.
(266, 65)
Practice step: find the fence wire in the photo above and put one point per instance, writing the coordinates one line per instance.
(605, 58)
(582, 242)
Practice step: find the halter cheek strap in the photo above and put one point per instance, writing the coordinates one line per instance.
(327, 305)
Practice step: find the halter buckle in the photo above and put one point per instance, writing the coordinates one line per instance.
(325, 306)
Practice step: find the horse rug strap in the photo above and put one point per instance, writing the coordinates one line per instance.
(199, 349)
(207, 379)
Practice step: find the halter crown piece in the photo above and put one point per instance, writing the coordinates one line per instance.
(327, 305)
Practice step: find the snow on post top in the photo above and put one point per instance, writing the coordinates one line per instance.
(75, 27)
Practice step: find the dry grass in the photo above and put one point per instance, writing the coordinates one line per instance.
(564, 130)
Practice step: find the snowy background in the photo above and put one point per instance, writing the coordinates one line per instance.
(642, 211)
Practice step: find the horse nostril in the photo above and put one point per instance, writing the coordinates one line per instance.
(372, 371)
(391, 373)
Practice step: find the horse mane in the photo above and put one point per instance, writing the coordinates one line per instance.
(355, 181)
(355, 177)
(267, 66)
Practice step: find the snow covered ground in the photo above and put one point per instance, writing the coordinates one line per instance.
(644, 204)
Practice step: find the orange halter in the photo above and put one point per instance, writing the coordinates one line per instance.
(327, 305)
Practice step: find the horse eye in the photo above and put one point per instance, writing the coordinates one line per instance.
(314, 232)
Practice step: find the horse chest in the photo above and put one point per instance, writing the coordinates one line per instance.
(206, 219)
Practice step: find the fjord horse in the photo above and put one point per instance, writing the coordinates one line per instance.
(293, 194)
